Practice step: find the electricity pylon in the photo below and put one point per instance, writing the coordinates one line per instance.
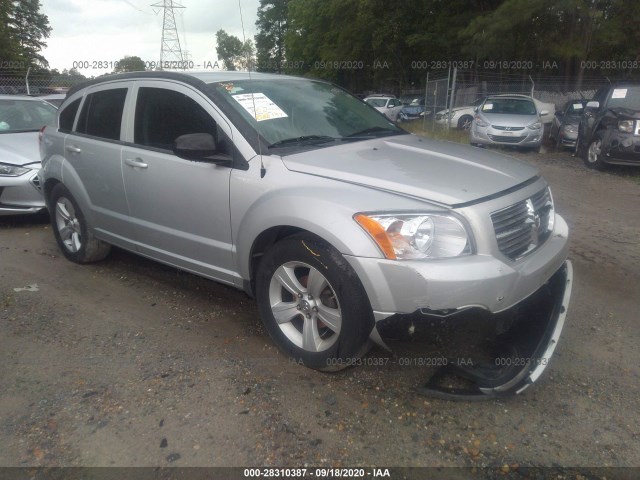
(170, 53)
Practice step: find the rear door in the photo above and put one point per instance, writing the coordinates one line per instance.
(94, 151)
(180, 208)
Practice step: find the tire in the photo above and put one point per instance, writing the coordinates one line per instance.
(593, 154)
(334, 311)
(70, 228)
(464, 123)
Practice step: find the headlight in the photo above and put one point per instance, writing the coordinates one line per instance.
(626, 126)
(535, 126)
(416, 236)
(12, 170)
(480, 122)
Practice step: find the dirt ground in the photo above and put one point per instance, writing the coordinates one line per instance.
(130, 363)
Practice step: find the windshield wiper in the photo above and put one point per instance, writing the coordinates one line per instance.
(304, 139)
(375, 131)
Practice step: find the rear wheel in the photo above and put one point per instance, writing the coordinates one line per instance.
(313, 304)
(70, 228)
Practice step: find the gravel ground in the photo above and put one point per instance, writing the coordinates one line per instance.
(131, 363)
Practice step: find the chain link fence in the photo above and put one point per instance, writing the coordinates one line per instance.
(459, 88)
(21, 84)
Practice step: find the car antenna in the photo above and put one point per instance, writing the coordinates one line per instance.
(263, 171)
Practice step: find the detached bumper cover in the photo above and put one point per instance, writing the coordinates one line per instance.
(522, 353)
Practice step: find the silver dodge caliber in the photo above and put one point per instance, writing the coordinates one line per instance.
(337, 221)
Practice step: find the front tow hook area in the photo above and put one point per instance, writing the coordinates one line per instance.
(520, 354)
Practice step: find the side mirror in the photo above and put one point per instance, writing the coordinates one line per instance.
(200, 147)
(593, 104)
(544, 112)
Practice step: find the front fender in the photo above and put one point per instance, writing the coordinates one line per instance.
(318, 205)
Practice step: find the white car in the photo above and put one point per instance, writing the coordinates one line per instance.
(461, 117)
(387, 104)
(21, 119)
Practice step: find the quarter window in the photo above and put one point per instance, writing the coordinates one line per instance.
(101, 114)
(68, 115)
(163, 115)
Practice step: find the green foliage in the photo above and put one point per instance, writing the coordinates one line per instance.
(23, 31)
(386, 39)
(235, 54)
(130, 64)
(272, 28)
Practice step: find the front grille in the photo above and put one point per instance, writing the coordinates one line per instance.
(506, 139)
(523, 227)
(510, 129)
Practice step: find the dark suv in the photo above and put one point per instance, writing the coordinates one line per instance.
(609, 131)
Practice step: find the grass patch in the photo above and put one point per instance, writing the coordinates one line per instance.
(436, 132)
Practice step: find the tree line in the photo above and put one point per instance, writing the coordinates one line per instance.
(363, 43)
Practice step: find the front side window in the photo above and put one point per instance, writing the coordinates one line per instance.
(24, 115)
(101, 114)
(163, 115)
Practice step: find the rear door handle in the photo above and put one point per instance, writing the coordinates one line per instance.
(135, 162)
(73, 149)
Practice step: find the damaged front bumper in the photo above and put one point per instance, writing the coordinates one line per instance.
(520, 354)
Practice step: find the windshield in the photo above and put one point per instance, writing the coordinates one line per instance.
(509, 106)
(376, 102)
(576, 107)
(625, 97)
(24, 115)
(296, 112)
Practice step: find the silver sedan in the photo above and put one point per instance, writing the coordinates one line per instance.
(21, 119)
(508, 120)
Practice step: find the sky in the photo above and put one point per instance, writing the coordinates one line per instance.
(87, 32)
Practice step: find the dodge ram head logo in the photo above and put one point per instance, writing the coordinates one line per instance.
(533, 218)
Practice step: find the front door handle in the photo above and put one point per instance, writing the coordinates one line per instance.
(135, 162)
(73, 149)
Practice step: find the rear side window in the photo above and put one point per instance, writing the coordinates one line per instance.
(101, 114)
(163, 115)
(68, 115)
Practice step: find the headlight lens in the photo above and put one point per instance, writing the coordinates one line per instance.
(421, 236)
(535, 126)
(12, 170)
(480, 122)
(626, 126)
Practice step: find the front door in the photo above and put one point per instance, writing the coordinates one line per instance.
(179, 208)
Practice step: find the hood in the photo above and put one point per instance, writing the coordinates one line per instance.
(19, 148)
(625, 113)
(503, 119)
(442, 172)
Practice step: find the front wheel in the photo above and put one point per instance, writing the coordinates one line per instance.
(593, 154)
(70, 228)
(313, 304)
(465, 123)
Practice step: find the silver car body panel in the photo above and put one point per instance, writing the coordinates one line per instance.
(205, 218)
